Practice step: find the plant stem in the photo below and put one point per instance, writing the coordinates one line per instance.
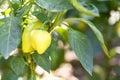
(32, 71)
(107, 68)
(31, 65)
(56, 21)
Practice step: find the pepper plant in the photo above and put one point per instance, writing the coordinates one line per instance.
(30, 30)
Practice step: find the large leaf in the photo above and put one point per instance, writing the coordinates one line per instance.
(95, 43)
(17, 64)
(83, 49)
(42, 60)
(97, 33)
(54, 5)
(10, 35)
(61, 5)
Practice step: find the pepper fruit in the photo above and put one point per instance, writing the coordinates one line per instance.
(26, 42)
(41, 40)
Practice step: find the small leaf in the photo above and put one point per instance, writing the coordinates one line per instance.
(42, 60)
(63, 33)
(17, 64)
(42, 17)
(54, 5)
(83, 49)
(10, 35)
(25, 10)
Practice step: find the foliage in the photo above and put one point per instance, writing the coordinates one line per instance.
(81, 24)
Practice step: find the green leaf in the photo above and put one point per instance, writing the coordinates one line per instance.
(86, 8)
(95, 76)
(17, 64)
(54, 5)
(10, 35)
(102, 0)
(97, 33)
(15, 5)
(95, 43)
(56, 53)
(63, 33)
(8, 74)
(42, 60)
(83, 49)
(2, 62)
(42, 17)
(25, 10)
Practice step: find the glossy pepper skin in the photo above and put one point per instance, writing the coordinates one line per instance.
(40, 40)
(26, 42)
